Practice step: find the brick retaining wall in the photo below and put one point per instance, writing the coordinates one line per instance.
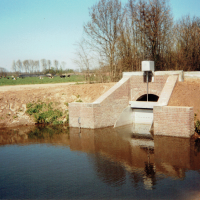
(173, 121)
(139, 87)
(107, 108)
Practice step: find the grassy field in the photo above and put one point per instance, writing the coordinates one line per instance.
(36, 80)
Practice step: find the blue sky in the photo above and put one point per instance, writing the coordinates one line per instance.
(37, 29)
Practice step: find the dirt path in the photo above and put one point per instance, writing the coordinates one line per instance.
(32, 86)
(13, 99)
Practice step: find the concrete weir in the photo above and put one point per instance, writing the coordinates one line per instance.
(124, 104)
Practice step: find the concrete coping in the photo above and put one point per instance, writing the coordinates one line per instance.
(194, 74)
(133, 74)
(156, 73)
(84, 104)
(143, 104)
(178, 72)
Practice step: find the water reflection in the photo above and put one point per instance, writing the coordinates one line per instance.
(35, 134)
(117, 155)
(148, 160)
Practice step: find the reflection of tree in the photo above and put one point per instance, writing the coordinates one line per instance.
(109, 171)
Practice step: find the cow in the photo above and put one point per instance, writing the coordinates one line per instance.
(68, 76)
(62, 76)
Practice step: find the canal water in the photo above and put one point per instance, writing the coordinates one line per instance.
(64, 163)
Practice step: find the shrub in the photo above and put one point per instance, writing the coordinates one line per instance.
(197, 126)
(44, 113)
(79, 100)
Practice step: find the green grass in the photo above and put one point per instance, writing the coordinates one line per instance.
(45, 113)
(197, 126)
(36, 80)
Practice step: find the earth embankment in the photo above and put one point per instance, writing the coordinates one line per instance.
(13, 99)
(187, 93)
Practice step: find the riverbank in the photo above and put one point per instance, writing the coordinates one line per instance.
(13, 99)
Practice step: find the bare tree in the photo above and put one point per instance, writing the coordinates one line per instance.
(37, 65)
(83, 58)
(104, 29)
(49, 64)
(32, 65)
(19, 65)
(26, 66)
(14, 68)
(63, 63)
(188, 43)
(153, 22)
(44, 64)
(56, 63)
(3, 71)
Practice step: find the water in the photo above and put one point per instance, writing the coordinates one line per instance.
(61, 163)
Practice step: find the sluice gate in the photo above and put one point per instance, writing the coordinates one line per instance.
(128, 102)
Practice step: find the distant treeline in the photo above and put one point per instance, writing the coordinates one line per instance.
(124, 35)
(36, 66)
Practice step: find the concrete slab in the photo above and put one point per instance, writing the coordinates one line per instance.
(142, 104)
(194, 75)
(167, 91)
(143, 116)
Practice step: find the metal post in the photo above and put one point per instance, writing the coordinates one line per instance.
(79, 122)
(147, 78)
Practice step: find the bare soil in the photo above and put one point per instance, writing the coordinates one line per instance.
(13, 99)
(187, 93)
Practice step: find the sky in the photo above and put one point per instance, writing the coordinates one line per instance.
(49, 29)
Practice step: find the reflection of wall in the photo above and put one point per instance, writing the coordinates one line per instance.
(172, 150)
(83, 141)
(116, 150)
(172, 154)
(108, 142)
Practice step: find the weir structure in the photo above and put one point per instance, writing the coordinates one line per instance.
(126, 103)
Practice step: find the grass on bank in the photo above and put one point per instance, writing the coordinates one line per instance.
(44, 113)
(36, 80)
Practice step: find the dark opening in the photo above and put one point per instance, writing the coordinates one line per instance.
(150, 74)
(151, 97)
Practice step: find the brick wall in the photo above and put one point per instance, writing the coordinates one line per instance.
(139, 88)
(173, 121)
(107, 108)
